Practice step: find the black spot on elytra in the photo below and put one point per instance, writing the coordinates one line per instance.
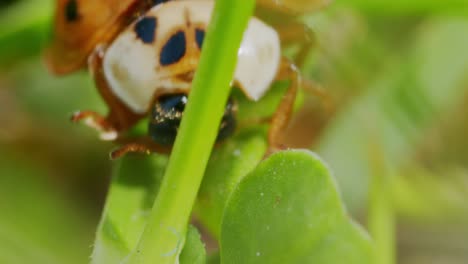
(157, 2)
(199, 37)
(71, 11)
(145, 29)
(174, 49)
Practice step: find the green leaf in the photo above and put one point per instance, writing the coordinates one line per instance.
(134, 186)
(228, 165)
(288, 211)
(194, 249)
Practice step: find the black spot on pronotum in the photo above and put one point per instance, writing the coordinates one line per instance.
(174, 49)
(71, 11)
(199, 37)
(145, 29)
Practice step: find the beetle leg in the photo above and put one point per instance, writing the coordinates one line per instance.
(96, 121)
(280, 122)
(309, 121)
(292, 32)
(317, 90)
(282, 115)
(120, 117)
(130, 148)
(297, 33)
(141, 145)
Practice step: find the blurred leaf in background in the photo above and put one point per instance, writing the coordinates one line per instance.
(52, 175)
(399, 73)
(39, 223)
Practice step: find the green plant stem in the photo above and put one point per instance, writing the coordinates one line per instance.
(381, 218)
(164, 235)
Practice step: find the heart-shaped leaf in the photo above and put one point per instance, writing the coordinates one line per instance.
(289, 211)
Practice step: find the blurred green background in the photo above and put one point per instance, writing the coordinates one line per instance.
(398, 75)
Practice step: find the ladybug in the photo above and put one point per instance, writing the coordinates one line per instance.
(143, 56)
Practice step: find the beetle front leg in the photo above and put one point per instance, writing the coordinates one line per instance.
(129, 148)
(120, 117)
(143, 145)
(96, 121)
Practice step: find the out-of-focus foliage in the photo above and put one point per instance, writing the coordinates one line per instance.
(397, 71)
(24, 28)
(39, 223)
(406, 98)
(399, 74)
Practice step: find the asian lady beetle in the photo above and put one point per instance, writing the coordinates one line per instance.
(143, 56)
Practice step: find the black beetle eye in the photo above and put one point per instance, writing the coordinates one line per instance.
(167, 113)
